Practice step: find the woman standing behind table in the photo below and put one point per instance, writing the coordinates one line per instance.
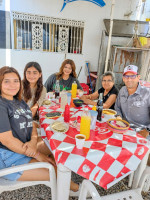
(66, 77)
(34, 92)
(108, 90)
(18, 135)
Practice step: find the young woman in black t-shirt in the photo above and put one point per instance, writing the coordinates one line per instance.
(108, 90)
(18, 135)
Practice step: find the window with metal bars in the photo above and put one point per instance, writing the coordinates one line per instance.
(34, 32)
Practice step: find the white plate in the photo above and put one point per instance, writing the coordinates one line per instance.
(63, 123)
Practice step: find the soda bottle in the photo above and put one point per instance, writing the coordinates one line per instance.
(85, 123)
(100, 107)
(57, 89)
(74, 89)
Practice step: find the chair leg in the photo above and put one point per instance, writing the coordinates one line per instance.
(86, 187)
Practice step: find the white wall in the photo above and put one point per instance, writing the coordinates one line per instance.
(79, 10)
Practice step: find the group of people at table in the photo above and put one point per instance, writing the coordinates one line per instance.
(20, 100)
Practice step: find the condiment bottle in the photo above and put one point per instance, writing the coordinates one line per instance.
(85, 123)
(67, 113)
(94, 108)
(74, 89)
(71, 103)
(100, 107)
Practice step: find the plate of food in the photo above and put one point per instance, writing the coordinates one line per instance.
(46, 102)
(109, 113)
(59, 127)
(118, 125)
(53, 114)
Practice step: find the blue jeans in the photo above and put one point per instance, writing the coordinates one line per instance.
(8, 159)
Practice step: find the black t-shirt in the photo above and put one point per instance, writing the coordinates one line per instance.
(113, 90)
(51, 82)
(15, 116)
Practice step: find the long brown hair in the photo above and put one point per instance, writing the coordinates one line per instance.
(67, 61)
(26, 85)
(6, 70)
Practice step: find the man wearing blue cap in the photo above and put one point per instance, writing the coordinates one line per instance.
(133, 101)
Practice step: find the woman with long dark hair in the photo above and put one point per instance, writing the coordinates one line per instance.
(66, 76)
(18, 134)
(33, 90)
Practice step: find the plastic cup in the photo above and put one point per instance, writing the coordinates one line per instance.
(69, 98)
(93, 114)
(80, 93)
(80, 139)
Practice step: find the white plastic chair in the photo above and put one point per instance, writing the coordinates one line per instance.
(146, 179)
(6, 185)
(88, 187)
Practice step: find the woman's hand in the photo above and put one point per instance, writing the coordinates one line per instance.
(44, 158)
(31, 148)
(83, 97)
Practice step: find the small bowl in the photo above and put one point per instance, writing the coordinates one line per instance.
(78, 102)
(112, 125)
(109, 113)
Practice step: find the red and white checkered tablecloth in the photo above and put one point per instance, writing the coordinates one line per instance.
(145, 83)
(106, 157)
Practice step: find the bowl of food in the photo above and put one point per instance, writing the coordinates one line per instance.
(78, 102)
(118, 125)
(59, 127)
(109, 113)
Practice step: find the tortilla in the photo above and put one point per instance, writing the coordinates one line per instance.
(59, 126)
(46, 102)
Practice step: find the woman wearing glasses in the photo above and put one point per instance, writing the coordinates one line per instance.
(108, 90)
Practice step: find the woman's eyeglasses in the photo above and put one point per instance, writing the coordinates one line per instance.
(130, 76)
(106, 81)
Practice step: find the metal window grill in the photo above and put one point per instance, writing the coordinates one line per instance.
(34, 32)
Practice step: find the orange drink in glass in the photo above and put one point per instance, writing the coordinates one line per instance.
(85, 126)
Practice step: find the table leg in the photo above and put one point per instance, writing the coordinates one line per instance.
(138, 173)
(63, 182)
(130, 179)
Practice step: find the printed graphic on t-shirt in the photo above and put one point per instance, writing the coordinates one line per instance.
(27, 114)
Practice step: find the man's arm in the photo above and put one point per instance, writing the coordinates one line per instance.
(118, 106)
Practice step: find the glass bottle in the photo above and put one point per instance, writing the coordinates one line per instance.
(64, 99)
(74, 89)
(100, 107)
(57, 89)
(85, 123)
